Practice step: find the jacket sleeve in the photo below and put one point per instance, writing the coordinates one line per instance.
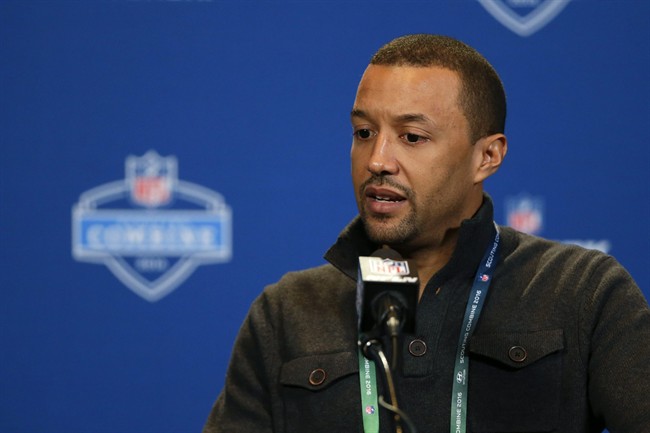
(244, 405)
(616, 320)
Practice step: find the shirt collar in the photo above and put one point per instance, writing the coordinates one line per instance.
(473, 237)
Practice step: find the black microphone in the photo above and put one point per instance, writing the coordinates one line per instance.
(387, 294)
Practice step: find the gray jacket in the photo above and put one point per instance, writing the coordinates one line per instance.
(582, 323)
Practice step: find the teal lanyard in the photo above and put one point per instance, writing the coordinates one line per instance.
(369, 404)
(472, 312)
(368, 377)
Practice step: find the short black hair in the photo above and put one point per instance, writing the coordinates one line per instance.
(482, 97)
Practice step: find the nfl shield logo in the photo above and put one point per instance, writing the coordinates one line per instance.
(152, 247)
(524, 17)
(151, 178)
(526, 214)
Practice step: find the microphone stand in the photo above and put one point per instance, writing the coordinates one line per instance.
(372, 348)
(386, 301)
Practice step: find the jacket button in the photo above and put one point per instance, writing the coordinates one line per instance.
(517, 354)
(317, 377)
(417, 348)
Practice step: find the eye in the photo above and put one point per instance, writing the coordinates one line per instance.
(413, 138)
(363, 134)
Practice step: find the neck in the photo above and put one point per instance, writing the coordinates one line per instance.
(430, 259)
(432, 255)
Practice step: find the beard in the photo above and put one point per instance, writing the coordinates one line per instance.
(389, 230)
(385, 230)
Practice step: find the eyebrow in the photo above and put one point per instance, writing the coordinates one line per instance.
(358, 113)
(414, 117)
(408, 117)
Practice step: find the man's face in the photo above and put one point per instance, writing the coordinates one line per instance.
(413, 164)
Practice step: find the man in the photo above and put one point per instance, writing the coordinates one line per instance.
(562, 343)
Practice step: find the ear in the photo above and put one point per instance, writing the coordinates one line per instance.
(490, 152)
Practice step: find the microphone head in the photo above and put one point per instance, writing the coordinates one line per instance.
(386, 277)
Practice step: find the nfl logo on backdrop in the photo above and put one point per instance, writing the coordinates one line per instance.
(151, 179)
(524, 17)
(525, 213)
(151, 229)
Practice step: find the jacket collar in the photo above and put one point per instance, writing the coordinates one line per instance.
(474, 235)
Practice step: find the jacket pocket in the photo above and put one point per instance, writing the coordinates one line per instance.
(321, 393)
(515, 381)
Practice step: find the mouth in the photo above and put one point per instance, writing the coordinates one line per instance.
(384, 195)
(382, 200)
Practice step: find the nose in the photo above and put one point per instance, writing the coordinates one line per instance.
(382, 159)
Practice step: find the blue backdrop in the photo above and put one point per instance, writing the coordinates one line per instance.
(124, 323)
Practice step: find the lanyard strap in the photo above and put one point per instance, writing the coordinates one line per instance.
(368, 376)
(475, 303)
(369, 405)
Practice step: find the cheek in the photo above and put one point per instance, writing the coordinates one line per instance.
(433, 182)
(357, 166)
(358, 178)
(354, 158)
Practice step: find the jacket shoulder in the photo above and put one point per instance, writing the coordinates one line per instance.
(317, 282)
(528, 253)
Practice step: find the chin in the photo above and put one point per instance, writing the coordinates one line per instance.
(384, 232)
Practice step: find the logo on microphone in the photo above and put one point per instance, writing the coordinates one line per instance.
(524, 17)
(388, 267)
(151, 229)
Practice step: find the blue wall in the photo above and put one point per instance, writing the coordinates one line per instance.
(253, 99)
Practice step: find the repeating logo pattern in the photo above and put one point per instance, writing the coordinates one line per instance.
(524, 17)
(525, 213)
(150, 229)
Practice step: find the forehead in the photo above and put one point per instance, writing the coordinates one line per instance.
(408, 88)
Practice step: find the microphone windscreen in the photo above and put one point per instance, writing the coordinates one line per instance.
(386, 279)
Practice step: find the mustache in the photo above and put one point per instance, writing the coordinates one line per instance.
(382, 180)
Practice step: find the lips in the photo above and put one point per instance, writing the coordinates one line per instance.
(383, 194)
(382, 200)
